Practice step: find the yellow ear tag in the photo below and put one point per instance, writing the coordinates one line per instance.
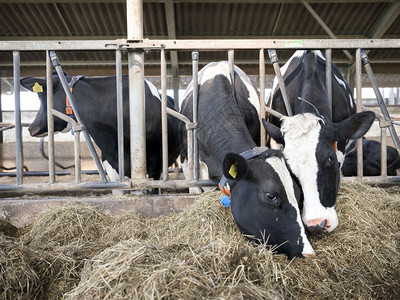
(233, 170)
(37, 88)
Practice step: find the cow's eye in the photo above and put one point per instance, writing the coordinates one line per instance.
(331, 158)
(271, 197)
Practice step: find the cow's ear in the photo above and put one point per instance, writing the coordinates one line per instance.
(355, 126)
(234, 166)
(274, 131)
(34, 84)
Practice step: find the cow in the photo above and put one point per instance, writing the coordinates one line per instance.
(96, 103)
(263, 195)
(371, 160)
(315, 137)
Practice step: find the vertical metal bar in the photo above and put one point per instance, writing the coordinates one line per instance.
(175, 85)
(358, 108)
(231, 60)
(195, 66)
(262, 97)
(18, 126)
(1, 116)
(77, 154)
(50, 118)
(275, 63)
(328, 73)
(120, 115)
(190, 162)
(383, 151)
(136, 91)
(164, 123)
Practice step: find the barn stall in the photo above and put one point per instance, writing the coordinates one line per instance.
(163, 261)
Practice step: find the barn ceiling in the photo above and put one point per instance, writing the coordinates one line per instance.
(29, 20)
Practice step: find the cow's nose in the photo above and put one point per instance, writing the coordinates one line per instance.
(318, 226)
(308, 255)
(33, 130)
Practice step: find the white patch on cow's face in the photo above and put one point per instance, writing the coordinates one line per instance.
(301, 133)
(111, 172)
(222, 68)
(280, 168)
(153, 89)
(342, 83)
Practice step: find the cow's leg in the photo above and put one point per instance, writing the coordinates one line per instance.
(203, 175)
(113, 176)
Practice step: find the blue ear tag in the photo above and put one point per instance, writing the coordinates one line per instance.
(72, 132)
(225, 201)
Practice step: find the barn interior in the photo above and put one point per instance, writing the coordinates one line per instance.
(62, 241)
(290, 20)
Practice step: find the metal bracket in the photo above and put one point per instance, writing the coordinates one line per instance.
(191, 126)
(385, 123)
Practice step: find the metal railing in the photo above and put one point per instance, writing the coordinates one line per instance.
(139, 182)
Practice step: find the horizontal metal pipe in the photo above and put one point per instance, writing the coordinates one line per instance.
(212, 44)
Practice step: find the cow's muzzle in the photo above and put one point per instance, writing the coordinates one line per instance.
(318, 226)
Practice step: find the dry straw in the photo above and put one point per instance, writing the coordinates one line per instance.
(201, 254)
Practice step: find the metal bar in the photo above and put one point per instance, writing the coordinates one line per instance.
(18, 127)
(231, 60)
(358, 109)
(211, 44)
(164, 116)
(136, 91)
(328, 73)
(273, 112)
(262, 98)
(77, 154)
(177, 115)
(50, 119)
(195, 61)
(120, 115)
(383, 151)
(275, 63)
(57, 66)
(379, 98)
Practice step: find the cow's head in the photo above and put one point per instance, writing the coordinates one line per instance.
(264, 202)
(38, 127)
(310, 148)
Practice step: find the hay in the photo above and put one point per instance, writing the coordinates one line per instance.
(18, 280)
(200, 253)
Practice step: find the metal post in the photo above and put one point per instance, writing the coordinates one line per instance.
(275, 63)
(120, 115)
(231, 60)
(18, 126)
(57, 66)
(358, 109)
(175, 85)
(164, 120)
(262, 98)
(136, 91)
(50, 119)
(328, 73)
(195, 62)
(77, 154)
(383, 152)
(379, 98)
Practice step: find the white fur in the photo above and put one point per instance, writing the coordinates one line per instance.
(301, 134)
(222, 68)
(111, 172)
(153, 89)
(280, 168)
(342, 83)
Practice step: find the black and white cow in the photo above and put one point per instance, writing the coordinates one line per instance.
(315, 137)
(371, 160)
(97, 105)
(263, 194)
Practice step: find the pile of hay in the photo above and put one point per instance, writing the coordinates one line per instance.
(82, 253)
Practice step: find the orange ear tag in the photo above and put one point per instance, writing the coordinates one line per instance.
(335, 146)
